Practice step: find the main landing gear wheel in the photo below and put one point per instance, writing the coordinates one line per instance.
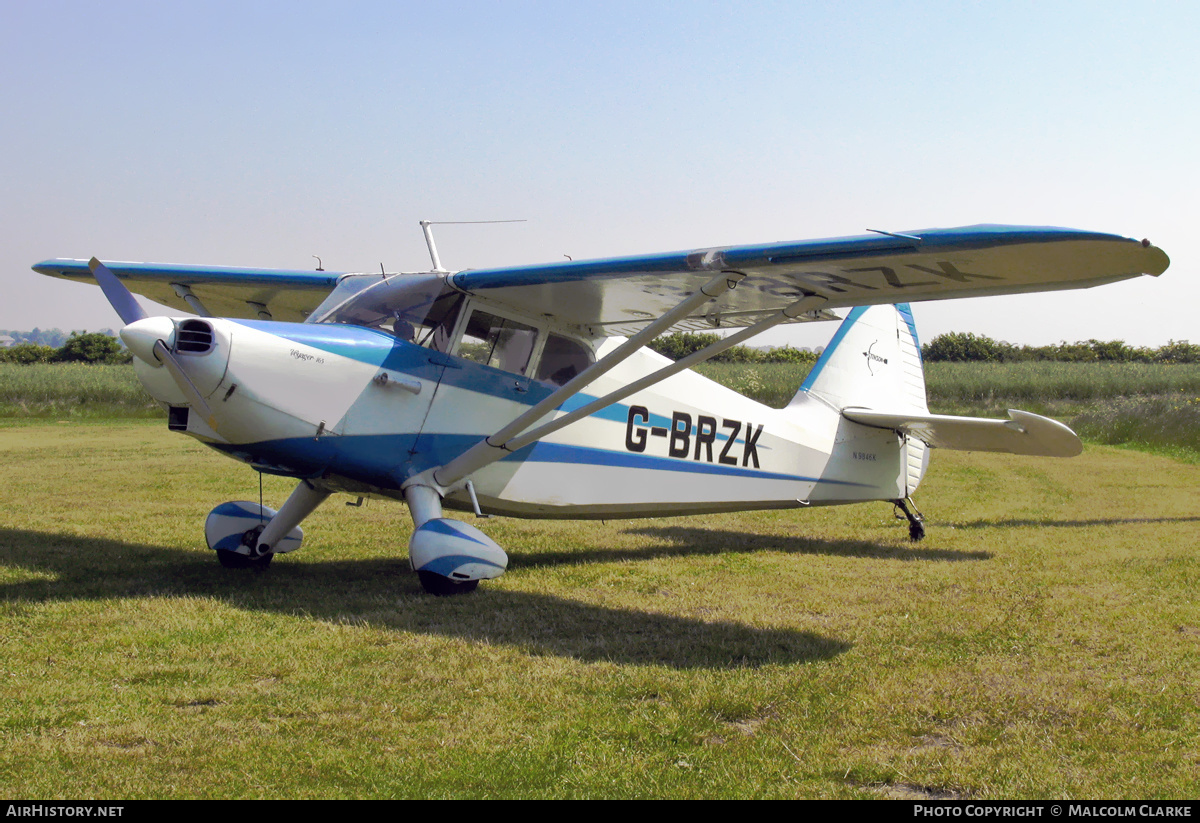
(232, 531)
(451, 557)
(443, 586)
(233, 560)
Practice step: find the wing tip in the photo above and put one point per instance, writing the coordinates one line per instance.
(62, 267)
(1053, 439)
(1159, 261)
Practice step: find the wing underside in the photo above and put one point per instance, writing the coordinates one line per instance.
(283, 294)
(621, 295)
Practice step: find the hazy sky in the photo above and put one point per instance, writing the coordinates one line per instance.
(260, 134)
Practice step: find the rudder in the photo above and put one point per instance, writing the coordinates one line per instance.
(874, 362)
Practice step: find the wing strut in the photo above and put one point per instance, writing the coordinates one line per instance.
(509, 439)
(806, 304)
(491, 449)
(185, 294)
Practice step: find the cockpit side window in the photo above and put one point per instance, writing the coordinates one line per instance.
(498, 342)
(436, 329)
(562, 359)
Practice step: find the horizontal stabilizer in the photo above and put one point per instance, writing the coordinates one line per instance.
(1021, 433)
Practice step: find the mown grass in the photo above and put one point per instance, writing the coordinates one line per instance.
(73, 390)
(1043, 642)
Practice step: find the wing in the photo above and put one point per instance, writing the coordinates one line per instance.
(224, 291)
(618, 296)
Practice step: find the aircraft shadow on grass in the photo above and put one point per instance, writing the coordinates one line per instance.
(1073, 524)
(712, 541)
(383, 593)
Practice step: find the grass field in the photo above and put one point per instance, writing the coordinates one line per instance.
(1042, 642)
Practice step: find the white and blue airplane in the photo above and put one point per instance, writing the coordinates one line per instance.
(528, 391)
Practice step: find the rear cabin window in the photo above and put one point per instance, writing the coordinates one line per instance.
(498, 342)
(562, 359)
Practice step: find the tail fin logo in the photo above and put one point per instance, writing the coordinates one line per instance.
(873, 358)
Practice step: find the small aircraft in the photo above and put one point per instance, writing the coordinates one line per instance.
(528, 391)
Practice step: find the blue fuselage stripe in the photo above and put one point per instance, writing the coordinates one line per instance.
(387, 352)
(387, 459)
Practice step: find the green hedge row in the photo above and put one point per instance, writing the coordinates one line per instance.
(85, 347)
(965, 347)
(681, 344)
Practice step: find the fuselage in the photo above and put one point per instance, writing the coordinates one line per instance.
(361, 411)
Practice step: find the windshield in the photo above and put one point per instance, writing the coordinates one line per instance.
(419, 308)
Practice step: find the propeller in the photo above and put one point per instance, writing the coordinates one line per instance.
(123, 302)
(185, 384)
(119, 297)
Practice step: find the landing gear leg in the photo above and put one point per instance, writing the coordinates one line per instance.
(300, 504)
(916, 520)
(246, 535)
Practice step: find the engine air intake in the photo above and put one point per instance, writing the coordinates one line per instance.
(194, 337)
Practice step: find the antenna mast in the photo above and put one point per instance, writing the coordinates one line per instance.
(426, 227)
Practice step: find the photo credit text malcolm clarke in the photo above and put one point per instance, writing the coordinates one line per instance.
(1175, 810)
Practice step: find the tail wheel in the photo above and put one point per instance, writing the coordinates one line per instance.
(916, 520)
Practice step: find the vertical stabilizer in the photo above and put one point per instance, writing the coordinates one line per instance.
(873, 362)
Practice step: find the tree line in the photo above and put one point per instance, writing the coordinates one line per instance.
(959, 347)
(681, 344)
(79, 347)
(54, 338)
(965, 347)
